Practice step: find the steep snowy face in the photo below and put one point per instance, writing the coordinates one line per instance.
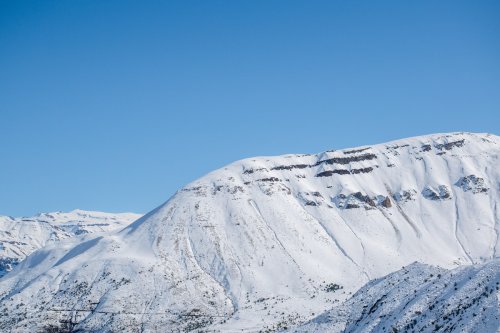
(21, 236)
(420, 298)
(271, 241)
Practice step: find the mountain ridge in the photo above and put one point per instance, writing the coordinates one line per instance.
(420, 298)
(260, 244)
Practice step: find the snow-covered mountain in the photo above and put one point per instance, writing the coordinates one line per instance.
(269, 242)
(420, 298)
(21, 236)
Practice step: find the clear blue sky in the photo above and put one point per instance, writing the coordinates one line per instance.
(113, 105)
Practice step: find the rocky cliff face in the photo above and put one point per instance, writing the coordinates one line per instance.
(262, 243)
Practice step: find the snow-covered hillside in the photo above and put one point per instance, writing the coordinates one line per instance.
(21, 236)
(269, 242)
(420, 298)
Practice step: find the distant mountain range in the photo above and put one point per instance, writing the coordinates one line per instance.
(277, 243)
(19, 237)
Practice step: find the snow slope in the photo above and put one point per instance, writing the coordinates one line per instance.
(261, 243)
(420, 298)
(21, 236)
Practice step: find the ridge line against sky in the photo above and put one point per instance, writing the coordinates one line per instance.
(112, 106)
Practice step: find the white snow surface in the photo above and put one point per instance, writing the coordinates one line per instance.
(21, 236)
(420, 298)
(255, 246)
